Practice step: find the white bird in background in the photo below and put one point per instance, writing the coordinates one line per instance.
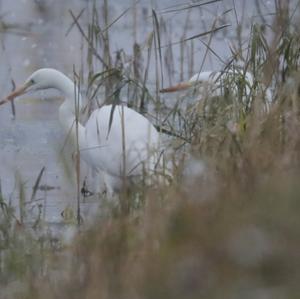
(208, 78)
(128, 147)
(210, 83)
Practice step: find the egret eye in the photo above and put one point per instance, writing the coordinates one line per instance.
(32, 81)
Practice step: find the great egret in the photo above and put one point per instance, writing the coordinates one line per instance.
(115, 140)
(211, 83)
(208, 78)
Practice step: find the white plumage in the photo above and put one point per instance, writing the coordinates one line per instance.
(104, 147)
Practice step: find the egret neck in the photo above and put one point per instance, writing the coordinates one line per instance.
(69, 109)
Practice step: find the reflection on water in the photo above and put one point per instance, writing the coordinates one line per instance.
(38, 39)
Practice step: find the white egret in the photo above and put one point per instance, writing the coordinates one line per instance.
(128, 146)
(208, 78)
(211, 83)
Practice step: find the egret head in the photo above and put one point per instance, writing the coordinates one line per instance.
(42, 79)
(198, 79)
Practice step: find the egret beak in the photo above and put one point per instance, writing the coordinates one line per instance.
(19, 91)
(179, 86)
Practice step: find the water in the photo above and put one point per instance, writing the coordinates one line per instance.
(36, 37)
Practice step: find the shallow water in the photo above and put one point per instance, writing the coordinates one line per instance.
(36, 38)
